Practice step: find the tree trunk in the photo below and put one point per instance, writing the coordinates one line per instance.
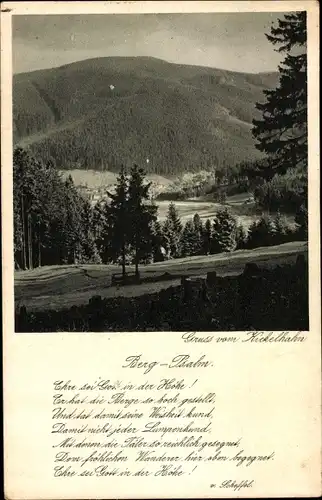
(31, 249)
(137, 274)
(30, 263)
(23, 250)
(123, 261)
(39, 247)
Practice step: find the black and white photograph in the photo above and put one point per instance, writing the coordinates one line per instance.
(160, 172)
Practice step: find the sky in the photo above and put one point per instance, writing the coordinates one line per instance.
(232, 41)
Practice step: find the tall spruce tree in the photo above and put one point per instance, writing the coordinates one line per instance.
(189, 241)
(282, 131)
(72, 224)
(171, 229)
(49, 183)
(241, 237)
(89, 251)
(282, 230)
(118, 216)
(142, 214)
(206, 237)
(224, 232)
(301, 220)
(261, 233)
(157, 242)
(198, 227)
(99, 227)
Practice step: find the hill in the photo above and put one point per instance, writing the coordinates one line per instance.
(102, 112)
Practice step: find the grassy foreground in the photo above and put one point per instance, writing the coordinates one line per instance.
(58, 287)
(274, 299)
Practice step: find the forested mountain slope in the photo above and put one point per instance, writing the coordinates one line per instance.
(99, 113)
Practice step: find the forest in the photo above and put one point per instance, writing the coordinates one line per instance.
(181, 118)
(55, 224)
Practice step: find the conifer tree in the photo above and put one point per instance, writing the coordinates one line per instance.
(118, 216)
(224, 232)
(99, 225)
(142, 214)
(172, 228)
(281, 229)
(89, 251)
(282, 131)
(71, 225)
(206, 237)
(198, 227)
(49, 188)
(157, 242)
(241, 237)
(261, 232)
(64, 220)
(189, 241)
(301, 220)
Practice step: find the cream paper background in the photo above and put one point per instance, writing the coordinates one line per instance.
(269, 393)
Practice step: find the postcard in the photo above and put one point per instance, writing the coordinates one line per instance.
(161, 241)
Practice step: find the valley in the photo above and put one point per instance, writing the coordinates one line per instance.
(96, 183)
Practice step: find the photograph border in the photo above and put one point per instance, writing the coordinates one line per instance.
(30, 8)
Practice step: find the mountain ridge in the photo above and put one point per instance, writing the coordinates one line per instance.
(147, 58)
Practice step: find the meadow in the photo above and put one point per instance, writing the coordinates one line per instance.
(58, 287)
